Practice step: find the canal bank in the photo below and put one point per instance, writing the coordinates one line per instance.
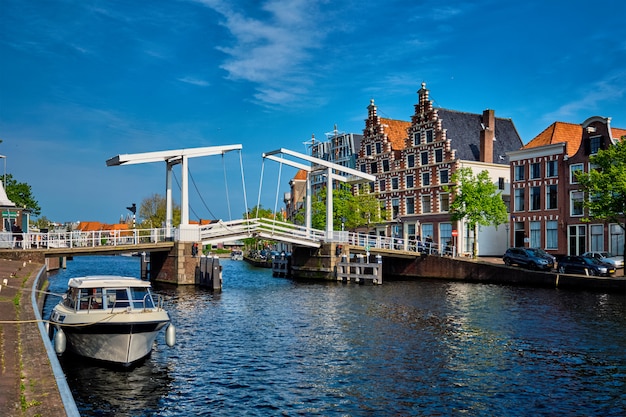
(29, 384)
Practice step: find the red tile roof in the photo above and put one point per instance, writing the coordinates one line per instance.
(300, 175)
(396, 132)
(618, 133)
(559, 132)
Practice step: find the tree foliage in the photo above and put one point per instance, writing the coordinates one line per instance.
(605, 186)
(262, 213)
(353, 211)
(152, 212)
(477, 201)
(21, 194)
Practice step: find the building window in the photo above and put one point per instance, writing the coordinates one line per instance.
(500, 183)
(372, 187)
(424, 156)
(597, 237)
(535, 198)
(438, 155)
(385, 165)
(426, 208)
(551, 196)
(381, 185)
(552, 235)
(374, 167)
(535, 234)
(417, 138)
(573, 169)
(443, 176)
(363, 168)
(395, 208)
(519, 199)
(425, 179)
(519, 173)
(429, 136)
(616, 239)
(368, 150)
(576, 203)
(409, 181)
(394, 183)
(535, 171)
(595, 144)
(445, 236)
(444, 202)
(551, 169)
(427, 230)
(410, 161)
(379, 147)
(410, 205)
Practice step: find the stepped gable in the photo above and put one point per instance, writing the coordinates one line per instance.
(559, 132)
(463, 131)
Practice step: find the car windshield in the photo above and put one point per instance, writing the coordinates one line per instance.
(537, 252)
(592, 261)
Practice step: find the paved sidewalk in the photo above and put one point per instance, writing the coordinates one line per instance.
(27, 384)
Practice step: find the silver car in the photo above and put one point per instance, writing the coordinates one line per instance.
(606, 257)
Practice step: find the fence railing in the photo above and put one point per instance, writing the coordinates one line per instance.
(78, 239)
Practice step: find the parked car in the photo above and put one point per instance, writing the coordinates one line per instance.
(606, 257)
(533, 258)
(585, 266)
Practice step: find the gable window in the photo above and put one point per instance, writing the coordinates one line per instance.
(551, 196)
(426, 204)
(394, 183)
(410, 161)
(519, 173)
(576, 203)
(410, 205)
(379, 147)
(425, 179)
(535, 171)
(363, 168)
(551, 169)
(429, 136)
(595, 144)
(443, 176)
(535, 198)
(519, 199)
(373, 167)
(438, 155)
(385, 165)
(371, 187)
(368, 150)
(417, 138)
(409, 181)
(573, 169)
(424, 156)
(381, 185)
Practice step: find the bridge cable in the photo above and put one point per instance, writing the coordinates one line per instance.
(243, 185)
(280, 170)
(230, 216)
(258, 203)
(200, 195)
(179, 188)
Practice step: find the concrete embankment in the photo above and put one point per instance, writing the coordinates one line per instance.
(29, 385)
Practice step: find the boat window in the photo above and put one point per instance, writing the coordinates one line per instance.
(141, 295)
(70, 299)
(116, 298)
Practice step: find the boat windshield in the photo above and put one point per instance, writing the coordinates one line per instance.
(141, 297)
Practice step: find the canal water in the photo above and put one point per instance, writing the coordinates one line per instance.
(269, 346)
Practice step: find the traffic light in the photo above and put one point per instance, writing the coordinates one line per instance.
(133, 208)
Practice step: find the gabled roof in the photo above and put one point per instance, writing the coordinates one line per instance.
(559, 132)
(396, 131)
(463, 131)
(618, 134)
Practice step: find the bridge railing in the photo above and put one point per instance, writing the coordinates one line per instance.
(368, 241)
(78, 239)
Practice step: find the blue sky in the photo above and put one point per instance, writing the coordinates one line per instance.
(83, 81)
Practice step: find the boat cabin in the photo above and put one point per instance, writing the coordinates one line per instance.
(99, 294)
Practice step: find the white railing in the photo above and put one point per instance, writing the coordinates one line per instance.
(78, 239)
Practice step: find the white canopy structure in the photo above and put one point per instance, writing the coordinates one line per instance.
(171, 158)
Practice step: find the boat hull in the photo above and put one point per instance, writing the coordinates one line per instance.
(120, 343)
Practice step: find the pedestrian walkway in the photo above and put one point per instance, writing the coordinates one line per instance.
(27, 383)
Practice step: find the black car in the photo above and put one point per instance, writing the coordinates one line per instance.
(532, 258)
(585, 266)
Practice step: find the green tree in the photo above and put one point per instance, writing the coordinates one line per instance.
(21, 194)
(353, 211)
(477, 201)
(262, 213)
(152, 211)
(605, 186)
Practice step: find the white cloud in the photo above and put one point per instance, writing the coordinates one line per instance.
(194, 81)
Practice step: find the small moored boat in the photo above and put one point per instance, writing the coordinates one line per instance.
(110, 318)
(236, 255)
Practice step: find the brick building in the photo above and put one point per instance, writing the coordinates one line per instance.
(413, 162)
(547, 210)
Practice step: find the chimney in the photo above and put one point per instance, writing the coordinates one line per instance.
(487, 136)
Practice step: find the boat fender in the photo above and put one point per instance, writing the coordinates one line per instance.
(60, 342)
(170, 335)
(47, 327)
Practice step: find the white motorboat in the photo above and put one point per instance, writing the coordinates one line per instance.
(110, 318)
